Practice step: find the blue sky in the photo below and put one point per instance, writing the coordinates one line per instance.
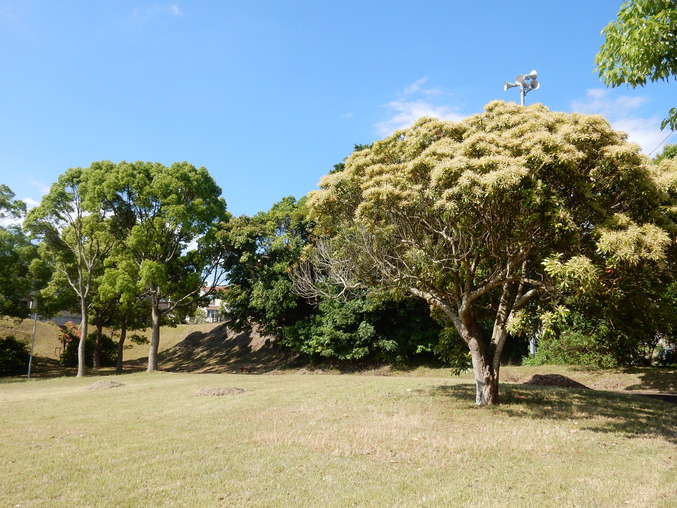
(269, 95)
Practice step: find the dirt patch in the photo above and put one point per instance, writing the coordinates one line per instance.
(553, 380)
(219, 391)
(104, 385)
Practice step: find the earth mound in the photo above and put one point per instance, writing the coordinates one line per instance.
(553, 380)
(219, 391)
(104, 385)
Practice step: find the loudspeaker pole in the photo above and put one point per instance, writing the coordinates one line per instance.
(526, 83)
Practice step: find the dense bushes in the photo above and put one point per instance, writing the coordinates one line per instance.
(14, 356)
(363, 329)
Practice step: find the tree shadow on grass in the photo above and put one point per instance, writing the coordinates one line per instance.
(661, 378)
(607, 412)
(224, 351)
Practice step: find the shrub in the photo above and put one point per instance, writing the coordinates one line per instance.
(14, 356)
(108, 351)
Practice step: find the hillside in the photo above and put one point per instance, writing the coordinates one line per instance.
(208, 347)
(221, 350)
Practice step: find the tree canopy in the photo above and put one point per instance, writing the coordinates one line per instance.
(641, 45)
(76, 235)
(162, 210)
(16, 255)
(481, 218)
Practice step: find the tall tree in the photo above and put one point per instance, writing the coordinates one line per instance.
(641, 45)
(483, 216)
(260, 253)
(164, 210)
(16, 255)
(76, 236)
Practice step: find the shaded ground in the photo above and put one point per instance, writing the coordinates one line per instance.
(222, 350)
(553, 380)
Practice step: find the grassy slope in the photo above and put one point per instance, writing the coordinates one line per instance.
(329, 440)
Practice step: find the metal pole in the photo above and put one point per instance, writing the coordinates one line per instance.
(35, 324)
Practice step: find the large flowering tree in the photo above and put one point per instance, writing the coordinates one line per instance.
(485, 216)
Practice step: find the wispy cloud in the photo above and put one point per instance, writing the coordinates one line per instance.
(413, 103)
(40, 186)
(30, 202)
(624, 115)
(145, 13)
(9, 16)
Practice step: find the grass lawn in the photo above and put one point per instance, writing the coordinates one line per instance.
(329, 440)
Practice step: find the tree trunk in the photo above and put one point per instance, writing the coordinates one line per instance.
(486, 377)
(121, 345)
(81, 344)
(155, 336)
(96, 354)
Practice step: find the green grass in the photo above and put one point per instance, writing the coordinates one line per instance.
(330, 440)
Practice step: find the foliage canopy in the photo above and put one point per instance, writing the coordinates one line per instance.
(481, 217)
(641, 45)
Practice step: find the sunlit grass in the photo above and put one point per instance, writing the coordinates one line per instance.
(329, 440)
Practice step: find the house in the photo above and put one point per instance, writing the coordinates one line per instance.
(213, 309)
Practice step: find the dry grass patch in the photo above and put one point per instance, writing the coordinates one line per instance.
(329, 440)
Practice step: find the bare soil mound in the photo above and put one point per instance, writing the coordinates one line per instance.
(553, 380)
(219, 391)
(104, 385)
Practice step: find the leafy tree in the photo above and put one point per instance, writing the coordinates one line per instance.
(263, 251)
(669, 152)
(641, 44)
(481, 218)
(120, 294)
(161, 211)
(76, 235)
(16, 255)
(10, 207)
(260, 253)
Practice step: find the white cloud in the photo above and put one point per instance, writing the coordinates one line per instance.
(142, 15)
(622, 112)
(30, 202)
(407, 112)
(411, 106)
